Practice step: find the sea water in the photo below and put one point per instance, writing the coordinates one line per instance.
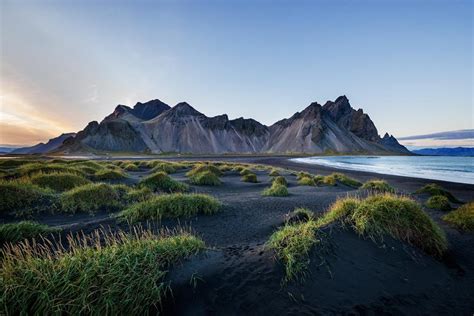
(454, 169)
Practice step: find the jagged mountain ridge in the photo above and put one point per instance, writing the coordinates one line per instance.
(156, 128)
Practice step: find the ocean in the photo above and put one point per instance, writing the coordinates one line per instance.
(453, 169)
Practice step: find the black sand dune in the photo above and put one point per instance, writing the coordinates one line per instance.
(348, 275)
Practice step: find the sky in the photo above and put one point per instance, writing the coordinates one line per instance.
(407, 63)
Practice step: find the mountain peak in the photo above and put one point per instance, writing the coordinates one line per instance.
(183, 108)
(148, 110)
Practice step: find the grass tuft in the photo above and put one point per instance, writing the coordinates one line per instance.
(399, 217)
(97, 274)
(109, 174)
(161, 181)
(378, 186)
(434, 189)
(58, 181)
(205, 178)
(274, 173)
(91, 198)
(20, 197)
(249, 177)
(171, 206)
(165, 167)
(343, 179)
(276, 189)
(438, 202)
(462, 218)
(131, 167)
(292, 244)
(280, 180)
(15, 232)
(199, 168)
(306, 181)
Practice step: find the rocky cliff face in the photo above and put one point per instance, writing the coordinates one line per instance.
(155, 127)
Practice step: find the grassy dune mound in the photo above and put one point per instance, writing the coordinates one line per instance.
(161, 181)
(205, 178)
(373, 217)
(309, 181)
(40, 167)
(274, 173)
(335, 178)
(276, 189)
(280, 180)
(165, 167)
(16, 232)
(462, 218)
(398, 217)
(109, 174)
(131, 167)
(249, 177)
(199, 168)
(434, 189)
(438, 202)
(58, 181)
(171, 206)
(90, 198)
(21, 197)
(378, 186)
(292, 244)
(99, 274)
(138, 195)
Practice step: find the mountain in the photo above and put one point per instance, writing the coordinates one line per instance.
(458, 151)
(41, 148)
(154, 127)
(7, 149)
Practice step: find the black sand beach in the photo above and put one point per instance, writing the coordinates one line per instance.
(348, 275)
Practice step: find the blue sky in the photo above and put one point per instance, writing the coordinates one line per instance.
(64, 63)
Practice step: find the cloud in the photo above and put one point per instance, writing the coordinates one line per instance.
(19, 135)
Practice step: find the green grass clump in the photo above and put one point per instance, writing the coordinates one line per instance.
(438, 202)
(58, 181)
(292, 244)
(91, 165)
(462, 218)
(276, 189)
(138, 195)
(434, 189)
(306, 181)
(21, 197)
(205, 178)
(161, 181)
(40, 167)
(109, 174)
(16, 232)
(225, 168)
(398, 217)
(131, 167)
(280, 180)
(379, 186)
(303, 174)
(90, 198)
(249, 177)
(343, 179)
(171, 206)
(274, 173)
(198, 168)
(300, 215)
(165, 167)
(98, 274)
(245, 171)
